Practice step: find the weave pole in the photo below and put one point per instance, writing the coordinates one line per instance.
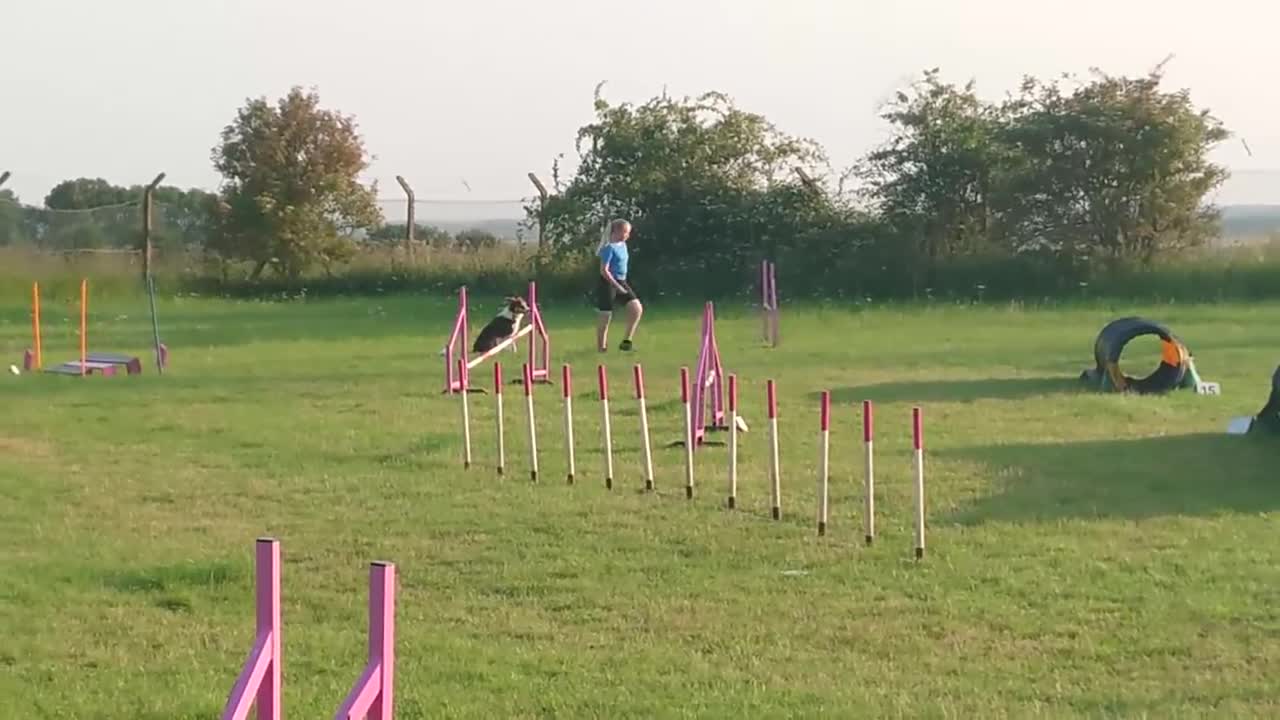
(84, 317)
(869, 500)
(733, 441)
(533, 431)
(688, 433)
(603, 382)
(824, 461)
(466, 419)
(566, 380)
(502, 435)
(35, 324)
(917, 432)
(638, 375)
(775, 478)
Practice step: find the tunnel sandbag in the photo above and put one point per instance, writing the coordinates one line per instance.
(1268, 420)
(1176, 369)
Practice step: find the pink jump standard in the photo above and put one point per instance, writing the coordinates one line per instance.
(769, 301)
(533, 423)
(459, 345)
(260, 681)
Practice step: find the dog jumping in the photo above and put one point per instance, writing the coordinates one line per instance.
(503, 326)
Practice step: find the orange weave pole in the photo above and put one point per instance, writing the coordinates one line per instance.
(84, 312)
(35, 322)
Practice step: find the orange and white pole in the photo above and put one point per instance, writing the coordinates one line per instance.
(35, 324)
(869, 501)
(533, 432)
(775, 473)
(603, 382)
(917, 425)
(638, 374)
(566, 380)
(466, 418)
(502, 435)
(733, 441)
(824, 461)
(688, 433)
(84, 316)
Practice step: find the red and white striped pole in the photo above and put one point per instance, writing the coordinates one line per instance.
(688, 433)
(638, 374)
(608, 430)
(733, 441)
(466, 417)
(917, 426)
(566, 380)
(824, 461)
(497, 401)
(774, 469)
(533, 432)
(869, 501)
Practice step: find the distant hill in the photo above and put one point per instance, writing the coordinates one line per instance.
(1241, 221)
(505, 228)
(1238, 221)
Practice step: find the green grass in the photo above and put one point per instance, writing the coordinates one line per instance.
(1089, 555)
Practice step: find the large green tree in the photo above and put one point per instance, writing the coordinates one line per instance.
(1116, 170)
(709, 188)
(291, 195)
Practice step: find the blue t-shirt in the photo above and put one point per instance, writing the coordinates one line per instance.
(615, 255)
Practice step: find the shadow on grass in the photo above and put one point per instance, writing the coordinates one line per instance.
(1182, 475)
(957, 390)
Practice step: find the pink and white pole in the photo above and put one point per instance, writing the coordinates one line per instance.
(603, 382)
(824, 461)
(688, 433)
(372, 697)
(869, 501)
(259, 682)
(733, 441)
(466, 416)
(533, 430)
(917, 426)
(566, 380)
(502, 435)
(775, 474)
(638, 374)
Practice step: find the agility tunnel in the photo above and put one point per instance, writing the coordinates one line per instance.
(1176, 370)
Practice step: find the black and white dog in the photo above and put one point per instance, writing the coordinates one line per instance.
(502, 326)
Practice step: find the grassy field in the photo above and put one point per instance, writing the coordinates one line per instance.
(1089, 555)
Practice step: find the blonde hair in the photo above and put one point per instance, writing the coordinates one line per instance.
(606, 235)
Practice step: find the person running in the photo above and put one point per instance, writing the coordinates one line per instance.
(612, 288)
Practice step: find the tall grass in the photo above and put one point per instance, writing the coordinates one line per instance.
(1242, 271)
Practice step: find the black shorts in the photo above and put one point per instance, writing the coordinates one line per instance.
(608, 297)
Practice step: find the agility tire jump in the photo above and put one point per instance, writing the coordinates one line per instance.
(1176, 370)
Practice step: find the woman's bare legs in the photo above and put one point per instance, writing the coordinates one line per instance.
(634, 311)
(602, 330)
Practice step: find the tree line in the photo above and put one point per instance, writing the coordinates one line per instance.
(1058, 181)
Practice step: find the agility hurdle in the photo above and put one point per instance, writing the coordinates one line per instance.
(535, 330)
(260, 680)
(706, 386)
(769, 302)
(89, 363)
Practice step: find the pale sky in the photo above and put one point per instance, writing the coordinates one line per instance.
(487, 91)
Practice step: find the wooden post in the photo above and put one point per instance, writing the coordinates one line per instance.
(148, 200)
(410, 220)
(542, 210)
(4, 177)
